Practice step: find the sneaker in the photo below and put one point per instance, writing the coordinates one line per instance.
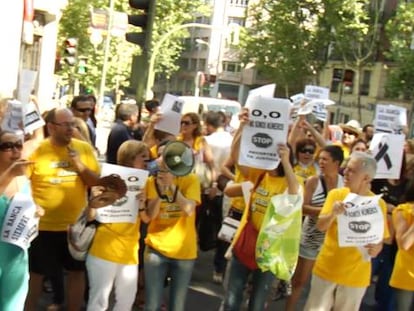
(217, 277)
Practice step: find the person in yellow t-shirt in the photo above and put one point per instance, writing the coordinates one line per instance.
(63, 170)
(171, 242)
(402, 278)
(341, 275)
(114, 249)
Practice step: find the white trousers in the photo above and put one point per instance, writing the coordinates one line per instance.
(327, 296)
(103, 275)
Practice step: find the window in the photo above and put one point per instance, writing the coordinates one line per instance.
(201, 64)
(366, 79)
(231, 67)
(241, 21)
(336, 79)
(344, 77)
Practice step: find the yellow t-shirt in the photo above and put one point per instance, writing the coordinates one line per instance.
(345, 149)
(197, 144)
(172, 233)
(56, 187)
(305, 172)
(253, 174)
(343, 265)
(403, 273)
(117, 242)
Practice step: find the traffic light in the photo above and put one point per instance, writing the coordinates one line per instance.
(82, 65)
(70, 53)
(143, 20)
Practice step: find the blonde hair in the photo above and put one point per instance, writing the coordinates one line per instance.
(82, 127)
(128, 151)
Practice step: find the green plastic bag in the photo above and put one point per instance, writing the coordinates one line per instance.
(277, 247)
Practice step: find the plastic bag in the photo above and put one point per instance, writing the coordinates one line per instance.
(277, 247)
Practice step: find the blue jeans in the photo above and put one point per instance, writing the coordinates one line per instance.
(238, 275)
(156, 268)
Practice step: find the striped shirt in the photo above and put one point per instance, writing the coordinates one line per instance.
(311, 237)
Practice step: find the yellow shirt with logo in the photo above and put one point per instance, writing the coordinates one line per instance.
(117, 242)
(56, 186)
(172, 233)
(253, 174)
(305, 171)
(403, 273)
(343, 265)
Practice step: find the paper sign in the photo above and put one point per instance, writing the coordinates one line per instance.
(297, 99)
(170, 108)
(316, 92)
(319, 108)
(267, 90)
(268, 127)
(13, 118)
(390, 119)
(32, 118)
(388, 152)
(124, 210)
(20, 225)
(362, 223)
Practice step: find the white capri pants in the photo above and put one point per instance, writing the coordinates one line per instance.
(103, 275)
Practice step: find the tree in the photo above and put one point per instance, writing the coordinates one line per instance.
(287, 41)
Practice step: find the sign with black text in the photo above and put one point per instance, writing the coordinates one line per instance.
(170, 108)
(124, 210)
(268, 127)
(362, 223)
(390, 119)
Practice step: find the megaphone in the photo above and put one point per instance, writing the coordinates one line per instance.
(178, 158)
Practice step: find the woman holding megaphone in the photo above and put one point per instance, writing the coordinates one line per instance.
(171, 239)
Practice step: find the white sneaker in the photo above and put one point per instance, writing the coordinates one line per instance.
(217, 277)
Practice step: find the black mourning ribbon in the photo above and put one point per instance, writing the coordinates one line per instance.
(382, 154)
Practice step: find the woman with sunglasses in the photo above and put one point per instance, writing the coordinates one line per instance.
(305, 166)
(316, 190)
(14, 274)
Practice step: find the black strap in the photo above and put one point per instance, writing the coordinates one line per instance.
(165, 197)
(325, 191)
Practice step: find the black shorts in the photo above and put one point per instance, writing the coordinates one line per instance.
(49, 254)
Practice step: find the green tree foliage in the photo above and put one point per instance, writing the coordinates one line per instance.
(400, 31)
(287, 41)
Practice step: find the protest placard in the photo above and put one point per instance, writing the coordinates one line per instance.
(20, 225)
(268, 127)
(390, 119)
(362, 222)
(13, 118)
(124, 210)
(316, 92)
(170, 108)
(388, 152)
(32, 118)
(267, 90)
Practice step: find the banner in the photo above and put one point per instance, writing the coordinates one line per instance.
(268, 127)
(170, 108)
(20, 225)
(124, 210)
(362, 223)
(390, 119)
(388, 152)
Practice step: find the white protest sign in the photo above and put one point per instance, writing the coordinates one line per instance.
(20, 225)
(388, 152)
(13, 118)
(390, 119)
(268, 127)
(170, 108)
(26, 84)
(319, 108)
(267, 90)
(316, 92)
(124, 210)
(32, 118)
(362, 223)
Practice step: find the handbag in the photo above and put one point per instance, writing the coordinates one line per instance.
(80, 237)
(245, 246)
(209, 222)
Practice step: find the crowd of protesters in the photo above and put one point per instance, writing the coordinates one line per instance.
(181, 215)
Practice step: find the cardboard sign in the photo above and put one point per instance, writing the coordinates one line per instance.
(124, 210)
(268, 127)
(362, 223)
(170, 108)
(390, 119)
(20, 225)
(388, 152)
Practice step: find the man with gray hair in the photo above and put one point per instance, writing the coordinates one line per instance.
(122, 130)
(342, 274)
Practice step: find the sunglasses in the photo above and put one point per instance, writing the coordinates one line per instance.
(84, 109)
(8, 146)
(307, 150)
(186, 123)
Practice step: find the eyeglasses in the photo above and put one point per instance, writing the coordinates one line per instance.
(65, 124)
(186, 123)
(9, 145)
(84, 109)
(307, 150)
